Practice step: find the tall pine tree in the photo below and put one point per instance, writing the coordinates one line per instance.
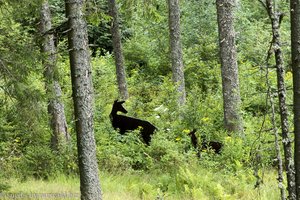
(82, 87)
(229, 66)
(117, 48)
(176, 50)
(58, 123)
(295, 47)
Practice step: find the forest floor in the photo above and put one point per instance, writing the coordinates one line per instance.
(185, 185)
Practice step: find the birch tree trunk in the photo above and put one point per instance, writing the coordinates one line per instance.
(286, 139)
(278, 151)
(229, 67)
(275, 130)
(295, 48)
(58, 123)
(83, 100)
(176, 49)
(117, 48)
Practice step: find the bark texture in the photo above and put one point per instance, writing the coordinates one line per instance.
(60, 135)
(176, 49)
(286, 139)
(278, 151)
(280, 171)
(117, 48)
(229, 67)
(295, 48)
(83, 100)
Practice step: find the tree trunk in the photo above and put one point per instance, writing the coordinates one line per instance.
(286, 139)
(295, 48)
(176, 50)
(229, 67)
(277, 148)
(83, 100)
(274, 128)
(60, 135)
(117, 48)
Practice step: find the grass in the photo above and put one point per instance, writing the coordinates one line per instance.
(60, 187)
(183, 184)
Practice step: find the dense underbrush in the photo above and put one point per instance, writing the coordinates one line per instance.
(170, 155)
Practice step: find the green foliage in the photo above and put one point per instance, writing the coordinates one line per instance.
(187, 184)
(4, 187)
(145, 56)
(171, 161)
(41, 162)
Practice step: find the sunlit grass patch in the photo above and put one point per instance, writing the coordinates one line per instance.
(186, 184)
(60, 187)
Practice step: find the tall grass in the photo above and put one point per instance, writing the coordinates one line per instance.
(184, 184)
